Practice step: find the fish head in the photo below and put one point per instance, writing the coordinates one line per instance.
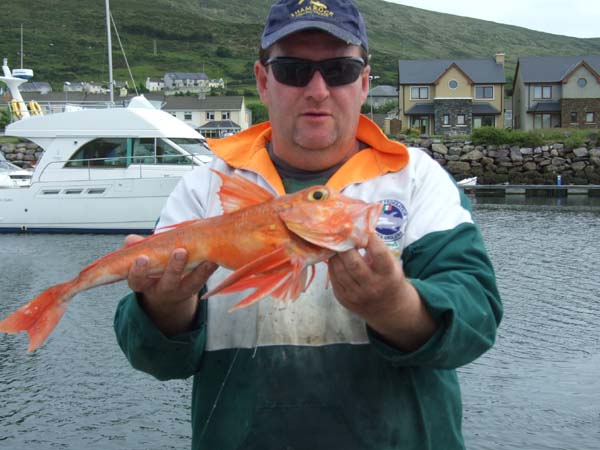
(323, 216)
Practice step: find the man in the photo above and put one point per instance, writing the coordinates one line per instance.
(366, 360)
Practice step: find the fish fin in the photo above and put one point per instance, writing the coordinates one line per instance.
(275, 274)
(237, 193)
(40, 316)
(296, 284)
(175, 225)
(265, 284)
(259, 266)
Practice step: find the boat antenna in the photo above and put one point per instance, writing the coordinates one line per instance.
(109, 45)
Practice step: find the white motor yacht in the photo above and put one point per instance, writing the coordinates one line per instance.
(12, 175)
(103, 170)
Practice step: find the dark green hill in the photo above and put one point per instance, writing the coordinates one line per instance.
(66, 39)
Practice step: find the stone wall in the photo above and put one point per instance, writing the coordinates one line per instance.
(580, 106)
(514, 165)
(22, 154)
(491, 164)
(452, 107)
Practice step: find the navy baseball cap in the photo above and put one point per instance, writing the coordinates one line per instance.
(339, 18)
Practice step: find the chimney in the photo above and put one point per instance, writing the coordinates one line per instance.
(500, 58)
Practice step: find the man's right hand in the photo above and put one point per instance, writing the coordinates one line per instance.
(170, 299)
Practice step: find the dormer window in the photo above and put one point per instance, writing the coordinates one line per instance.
(452, 84)
(582, 82)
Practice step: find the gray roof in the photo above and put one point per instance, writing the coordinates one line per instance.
(214, 103)
(484, 108)
(384, 91)
(427, 71)
(219, 125)
(421, 108)
(545, 107)
(187, 75)
(35, 86)
(552, 69)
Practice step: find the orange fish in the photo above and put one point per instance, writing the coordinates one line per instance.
(271, 243)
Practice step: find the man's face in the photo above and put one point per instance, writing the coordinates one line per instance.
(315, 117)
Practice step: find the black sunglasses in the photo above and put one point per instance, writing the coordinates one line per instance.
(298, 72)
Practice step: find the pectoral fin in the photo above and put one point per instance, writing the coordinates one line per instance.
(276, 274)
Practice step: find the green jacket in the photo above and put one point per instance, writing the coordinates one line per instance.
(255, 388)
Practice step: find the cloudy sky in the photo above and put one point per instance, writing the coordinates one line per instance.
(578, 18)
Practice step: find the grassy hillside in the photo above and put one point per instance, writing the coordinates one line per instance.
(66, 40)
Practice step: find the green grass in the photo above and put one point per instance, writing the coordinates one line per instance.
(66, 40)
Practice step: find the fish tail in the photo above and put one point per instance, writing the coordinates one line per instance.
(40, 316)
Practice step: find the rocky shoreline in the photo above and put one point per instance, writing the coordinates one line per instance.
(491, 164)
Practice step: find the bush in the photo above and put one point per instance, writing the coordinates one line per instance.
(500, 136)
(575, 141)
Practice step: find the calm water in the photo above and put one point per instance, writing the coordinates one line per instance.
(538, 389)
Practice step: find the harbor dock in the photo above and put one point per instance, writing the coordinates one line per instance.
(502, 190)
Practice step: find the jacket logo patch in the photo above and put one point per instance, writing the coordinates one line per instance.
(392, 221)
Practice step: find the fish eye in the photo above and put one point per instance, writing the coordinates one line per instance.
(318, 195)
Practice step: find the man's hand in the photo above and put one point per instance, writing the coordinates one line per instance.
(171, 299)
(374, 287)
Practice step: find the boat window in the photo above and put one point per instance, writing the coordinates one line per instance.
(166, 154)
(96, 190)
(99, 153)
(194, 146)
(143, 151)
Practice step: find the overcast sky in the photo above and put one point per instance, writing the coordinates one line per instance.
(578, 18)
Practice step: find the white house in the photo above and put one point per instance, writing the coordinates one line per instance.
(213, 116)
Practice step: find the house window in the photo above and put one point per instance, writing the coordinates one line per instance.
(484, 121)
(543, 92)
(484, 92)
(452, 84)
(187, 115)
(573, 117)
(446, 120)
(542, 121)
(210, 115)
(225, 115)
(419, 93)
(460, 120)
(582, 82)
(589, 117)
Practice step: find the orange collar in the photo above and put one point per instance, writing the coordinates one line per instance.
(247, 150)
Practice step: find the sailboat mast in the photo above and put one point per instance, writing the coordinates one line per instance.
(109, 45)
(21, 46)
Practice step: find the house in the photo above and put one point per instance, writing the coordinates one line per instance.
(382, 94)
(449, 97)
(213, 116)
(183, 83)
(155, 84)
(41, 87)
(556, 91)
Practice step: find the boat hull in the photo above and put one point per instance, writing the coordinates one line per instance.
(107, 206)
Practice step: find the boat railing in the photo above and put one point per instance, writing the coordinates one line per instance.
(54, 107)
(108, 168)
